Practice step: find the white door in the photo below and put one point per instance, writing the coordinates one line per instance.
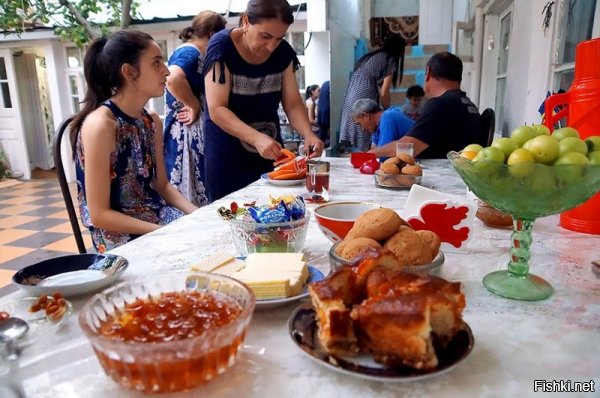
(12, 139)
(502, 69)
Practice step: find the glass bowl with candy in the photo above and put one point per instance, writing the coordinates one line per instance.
(278, 226)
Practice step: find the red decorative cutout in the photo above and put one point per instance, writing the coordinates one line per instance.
(442, 219)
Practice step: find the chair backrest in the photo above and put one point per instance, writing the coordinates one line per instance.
(488, 118)
(64, 185)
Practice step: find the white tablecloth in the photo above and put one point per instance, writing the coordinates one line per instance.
(515, 342)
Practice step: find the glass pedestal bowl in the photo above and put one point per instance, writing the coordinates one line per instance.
(525, 191)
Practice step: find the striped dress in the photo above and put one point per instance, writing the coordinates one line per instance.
(364, 83)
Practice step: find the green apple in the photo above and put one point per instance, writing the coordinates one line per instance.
(572, 144)
(594, 158)
(506, 145)
(521, 162)
(522, 134)
(565, 132)
(542, 180)
(544, 148)
(473, 148)
(490, 153)
(541, 129)
(569, 167)
(573, 158)
(593, 143)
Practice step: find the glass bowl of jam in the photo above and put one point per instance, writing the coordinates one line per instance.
(168, 332)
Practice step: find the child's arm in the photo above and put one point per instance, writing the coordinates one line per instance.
(99, 142)
(161, 184)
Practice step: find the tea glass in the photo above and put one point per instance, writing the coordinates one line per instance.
(317, 176)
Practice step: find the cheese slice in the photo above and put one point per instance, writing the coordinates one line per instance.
(274, 275)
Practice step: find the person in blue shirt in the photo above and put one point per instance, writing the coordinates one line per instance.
(184, 97)
(384, 125)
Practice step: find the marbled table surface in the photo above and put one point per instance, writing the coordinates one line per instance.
(515, 342)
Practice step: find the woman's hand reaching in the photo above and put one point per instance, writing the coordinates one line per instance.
(313, 146)
(267, 147)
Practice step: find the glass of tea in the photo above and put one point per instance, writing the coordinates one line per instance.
(317, 176)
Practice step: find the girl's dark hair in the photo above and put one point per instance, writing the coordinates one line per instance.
(393, 45)
(204, 24)
(415, 91)
(102, 70)
(310, 89)
(258, 10)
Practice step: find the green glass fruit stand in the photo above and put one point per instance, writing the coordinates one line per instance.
(525, 191)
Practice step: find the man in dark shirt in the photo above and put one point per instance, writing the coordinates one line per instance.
(449, 121)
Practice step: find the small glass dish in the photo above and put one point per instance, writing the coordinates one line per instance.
(432, 268)
(168, 363)
(284, 237)
(396, 181)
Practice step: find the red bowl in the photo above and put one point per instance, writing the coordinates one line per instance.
(335, 219)
(359, 158)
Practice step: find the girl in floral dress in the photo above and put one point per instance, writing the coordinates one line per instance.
(122, 185)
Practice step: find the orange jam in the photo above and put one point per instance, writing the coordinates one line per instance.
(171, 316)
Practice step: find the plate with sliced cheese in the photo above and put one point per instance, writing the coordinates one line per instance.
(275, 278)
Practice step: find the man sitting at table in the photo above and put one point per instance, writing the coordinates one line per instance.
(386, 125)
(449, 121)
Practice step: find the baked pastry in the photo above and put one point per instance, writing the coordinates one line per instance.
(354, 247)
(432, 239)
(392, 166)
(405, 158)
(397, 317)
(333, 298)
(396, 330)
(377, 224)
(408, 246)
(413, 170)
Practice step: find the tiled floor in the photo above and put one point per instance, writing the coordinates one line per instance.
(34, 225)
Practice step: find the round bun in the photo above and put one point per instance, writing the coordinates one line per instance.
(413, 170)
(406, 158)
(408, 246)
(432, 239)
(391, 166)
(377, 224)
(355, 246)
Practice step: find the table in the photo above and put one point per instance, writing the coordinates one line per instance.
(515, 342)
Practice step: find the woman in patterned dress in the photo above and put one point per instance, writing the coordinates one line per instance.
(374, 75)
(183, 133)
(247, 72)
(122, 185)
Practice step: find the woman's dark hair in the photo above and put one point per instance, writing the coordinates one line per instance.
(310, 89)
(258, 10)
(445, 65)
(204, 24)
(393, 45)
(102, 70)
(415, 91)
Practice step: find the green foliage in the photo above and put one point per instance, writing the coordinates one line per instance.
(70, 18)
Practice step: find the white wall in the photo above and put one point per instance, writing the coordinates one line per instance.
(395, 8)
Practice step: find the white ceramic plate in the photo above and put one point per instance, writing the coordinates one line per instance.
(314, 275)
(71, 275)
(281, 183)
(303, 330)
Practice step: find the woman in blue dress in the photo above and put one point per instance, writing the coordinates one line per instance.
(183, 133)
(247, 72)
(122, 185)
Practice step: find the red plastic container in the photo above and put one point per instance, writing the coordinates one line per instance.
(359, 158)
(583, 113)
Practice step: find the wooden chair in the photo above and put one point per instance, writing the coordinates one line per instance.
(488, 118)
(64, 185)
